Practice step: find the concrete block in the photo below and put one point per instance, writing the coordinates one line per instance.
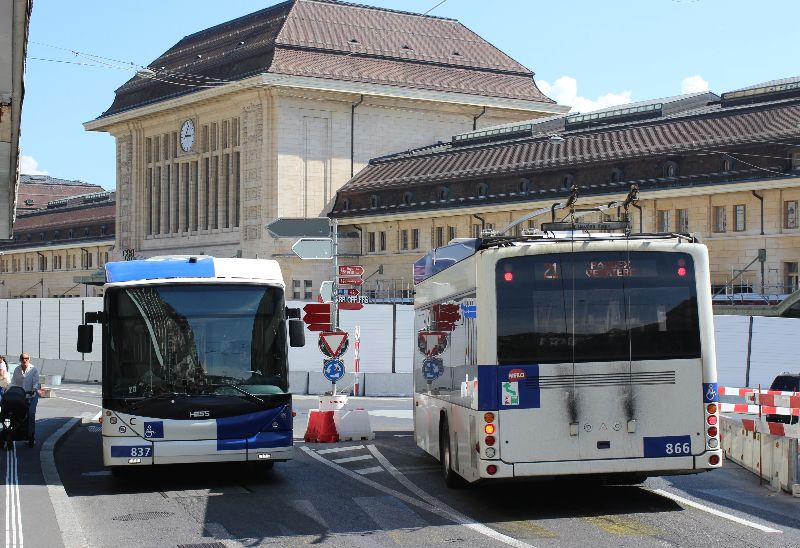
(353, 425)
(298, 382)
(317, 383)
(96, 372)
(388, 384)
(77, 371)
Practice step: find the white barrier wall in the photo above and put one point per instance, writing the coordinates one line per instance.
(48, 328)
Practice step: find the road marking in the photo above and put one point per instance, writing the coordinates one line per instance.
(371, 470)
(352, 459)
(339, 449)
(441, 511)
(393, 413)
(13, 507)
(79, 401)
(715, 512)
(436, 503)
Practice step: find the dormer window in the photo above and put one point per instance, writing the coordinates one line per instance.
(443, 193)
(728, 163)
(524, 185)
(354, 41)
(670, 169)
(796, 160)
(482, 191)
(346, 204)
(374, 200)
(408, 198)
(567, 181)
(616, 175)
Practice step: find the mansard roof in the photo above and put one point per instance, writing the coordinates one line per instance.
(333, 40)
(651, 129)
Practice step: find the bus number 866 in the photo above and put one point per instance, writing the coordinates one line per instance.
(678, 449)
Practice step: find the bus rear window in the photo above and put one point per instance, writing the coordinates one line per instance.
(596, 306)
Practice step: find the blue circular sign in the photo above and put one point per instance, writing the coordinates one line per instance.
(432, 368)
(333, 370)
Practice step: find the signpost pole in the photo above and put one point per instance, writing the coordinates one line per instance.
(335, 290)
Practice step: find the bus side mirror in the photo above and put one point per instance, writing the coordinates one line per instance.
(297, 333)
(85, 338)
(292, 313)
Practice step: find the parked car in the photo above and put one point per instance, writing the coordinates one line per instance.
(785, 382)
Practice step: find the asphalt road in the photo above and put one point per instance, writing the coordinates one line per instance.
(384, 492)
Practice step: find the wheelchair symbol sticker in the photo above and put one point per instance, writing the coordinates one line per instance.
(710, 392)
(154, 429)
(333, 369)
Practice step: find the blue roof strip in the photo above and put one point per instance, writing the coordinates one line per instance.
(127, 271)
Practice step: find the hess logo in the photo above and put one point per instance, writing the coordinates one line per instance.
(516, 374)
(199, 414)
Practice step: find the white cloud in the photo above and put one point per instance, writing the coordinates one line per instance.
(694, 84)
(29, 166)
(565, 92)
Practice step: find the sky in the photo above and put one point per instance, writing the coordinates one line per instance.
(587, 54)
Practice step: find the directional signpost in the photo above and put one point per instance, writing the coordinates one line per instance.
(303, 227)
(351, 270)
(317, 316)
(314, 248)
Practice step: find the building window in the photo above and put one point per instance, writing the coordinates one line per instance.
(415, 238)
(296, 290)
(370, 242)
(567, 181)
(483, 190)
(408, 198)
(382, 241)
(670, 169)
(439, 236)
(720, 219)
(524, 185)
(790, 214)
(728, 163)
(451, 233)
(739, 218)
(307, 291)
(346, 204)
(374, 201)
(682, 220)
(403, 240)
(795, 161)
(791, 277)
(443, 193)
(616, 175)
(663, 220)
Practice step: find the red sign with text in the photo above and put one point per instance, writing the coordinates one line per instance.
(351, 270)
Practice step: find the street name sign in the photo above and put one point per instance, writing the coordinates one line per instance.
(351, 270)
(314, 248)
(300, 227)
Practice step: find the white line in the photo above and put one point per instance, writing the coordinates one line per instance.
(18, 505)
(9, 456)
(339, 449)
(372, 470)
(715, 512)
(79, 401)
(457, 518)
(433, 501)
(352, 459)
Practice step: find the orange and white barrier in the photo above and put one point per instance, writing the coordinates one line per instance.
(333, 422)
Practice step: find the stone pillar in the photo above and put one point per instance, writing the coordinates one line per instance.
(253, 183)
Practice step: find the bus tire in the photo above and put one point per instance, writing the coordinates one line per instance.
(451, 478)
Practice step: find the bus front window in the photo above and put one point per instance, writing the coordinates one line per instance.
(193, 339)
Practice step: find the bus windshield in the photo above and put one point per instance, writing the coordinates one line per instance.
(596, 307)
(196, 339)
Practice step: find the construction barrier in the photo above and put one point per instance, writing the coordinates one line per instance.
(333, 422)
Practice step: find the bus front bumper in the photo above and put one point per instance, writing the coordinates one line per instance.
(135, 451)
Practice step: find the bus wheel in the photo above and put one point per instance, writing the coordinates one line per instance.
(451, 479)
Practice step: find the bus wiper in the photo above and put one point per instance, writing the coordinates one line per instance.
(243, 391)
(150, 399)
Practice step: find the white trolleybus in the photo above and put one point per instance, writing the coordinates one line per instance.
(572, 351)
(194, 361)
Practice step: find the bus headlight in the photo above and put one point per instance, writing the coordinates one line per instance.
(490, 452)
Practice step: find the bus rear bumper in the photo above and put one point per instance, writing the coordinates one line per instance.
(643, 466)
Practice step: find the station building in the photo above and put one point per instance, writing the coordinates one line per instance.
(63, 230)
(268, 115)
(724, 167)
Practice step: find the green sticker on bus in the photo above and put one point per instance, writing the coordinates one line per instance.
(510, 393)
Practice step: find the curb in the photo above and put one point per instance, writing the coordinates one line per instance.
(71, 532)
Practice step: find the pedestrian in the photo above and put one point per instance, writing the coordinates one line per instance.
(5, 379)
(26, 376)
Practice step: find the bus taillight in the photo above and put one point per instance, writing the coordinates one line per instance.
(489, 440)
(712, 420)
(713, 460)
(491, 469)
(489, 429)
(711, 408)
(488, 416)
(712, 431)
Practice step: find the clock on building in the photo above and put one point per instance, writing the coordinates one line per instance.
(187, 135)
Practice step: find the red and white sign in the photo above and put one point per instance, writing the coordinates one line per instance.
(432, 343)
(349, 280)
(516, 375)
(351, 270)
(356, 359)
(333, 341)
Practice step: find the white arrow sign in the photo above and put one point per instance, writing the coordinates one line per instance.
(313, 248)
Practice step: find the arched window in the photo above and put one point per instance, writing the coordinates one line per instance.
(482, 190)
(374, 200)
(616, 175)
(567, 181)
(524, 185)
(728, 163)
(408, 198)
(443, 193)
(670, 169)
(346, 204)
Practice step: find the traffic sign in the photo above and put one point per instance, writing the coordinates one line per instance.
(432, 368)
(333, 369)
(317, 316)
(326, 292)
(363, 299)
(299, 227)
(349, 280)
(351, 270)
(350, 306)
(333, 343)
(313, 248)
(319, 327)
(317, 308)
(445, 317)
(432, 343)
(347, 291)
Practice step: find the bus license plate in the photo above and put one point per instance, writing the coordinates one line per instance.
(131, 451)
(668, 446)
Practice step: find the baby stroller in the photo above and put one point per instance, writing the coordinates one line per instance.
(13, 417)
